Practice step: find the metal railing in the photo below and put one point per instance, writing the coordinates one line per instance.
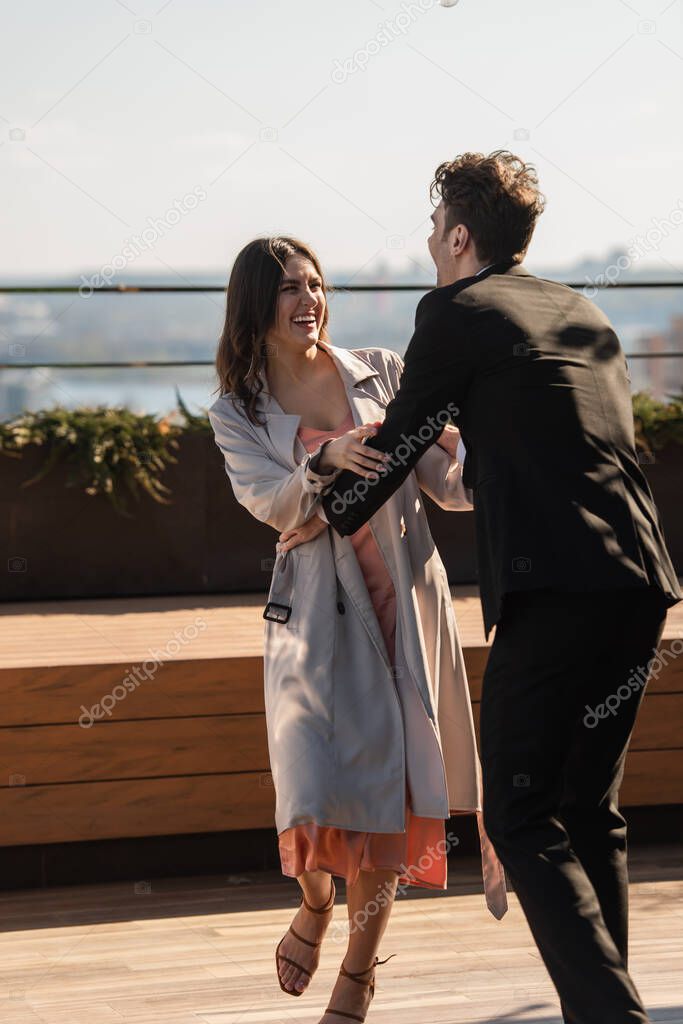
(133, 289)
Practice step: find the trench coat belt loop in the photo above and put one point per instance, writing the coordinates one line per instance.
(278, 608)
(493, 873)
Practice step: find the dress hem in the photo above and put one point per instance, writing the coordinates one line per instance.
(403, 879)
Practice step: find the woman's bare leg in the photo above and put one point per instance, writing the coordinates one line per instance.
(369, 903)
(316, 887)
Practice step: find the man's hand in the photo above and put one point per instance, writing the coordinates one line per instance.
(348, 452)
(302, 534)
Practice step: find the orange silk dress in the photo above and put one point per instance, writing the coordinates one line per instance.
(419, 853)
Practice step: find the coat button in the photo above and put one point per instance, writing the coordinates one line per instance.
(340, 608)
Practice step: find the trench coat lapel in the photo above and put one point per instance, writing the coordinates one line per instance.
(282, 427)
(366, 405)
(358, 380)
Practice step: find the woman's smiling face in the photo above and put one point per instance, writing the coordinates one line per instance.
(300, 306)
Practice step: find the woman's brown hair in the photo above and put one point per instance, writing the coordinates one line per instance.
(251, 309)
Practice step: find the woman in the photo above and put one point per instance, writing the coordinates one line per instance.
(370, 730)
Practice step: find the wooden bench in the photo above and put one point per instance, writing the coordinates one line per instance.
(185, 750)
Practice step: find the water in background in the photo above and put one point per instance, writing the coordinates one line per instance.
(186, 326)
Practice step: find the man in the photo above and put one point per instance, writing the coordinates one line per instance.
(573, 567)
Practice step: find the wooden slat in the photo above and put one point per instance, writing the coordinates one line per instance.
(652, 777)
(57, 694)
(669, 680)
(214, 803)
(204, 686)
(133, 750)
(146, 807)
(235, 743)
(475, 664)
(186, 751)
(659, 725)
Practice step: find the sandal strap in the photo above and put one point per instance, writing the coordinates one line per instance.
(328, 906)
(356, 975)
(300, 938)
(313, 945)
(293, 963)
(343, 1013)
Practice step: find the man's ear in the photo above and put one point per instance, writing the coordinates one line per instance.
(460, 236)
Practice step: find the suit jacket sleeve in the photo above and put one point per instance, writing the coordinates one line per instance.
(438, 475)
(436, 376)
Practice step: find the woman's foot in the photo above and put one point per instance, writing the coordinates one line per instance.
(301, 945)
(351, 996)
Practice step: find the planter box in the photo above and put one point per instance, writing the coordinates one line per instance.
(61, 543)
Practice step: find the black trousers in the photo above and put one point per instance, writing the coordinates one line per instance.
(551, 776)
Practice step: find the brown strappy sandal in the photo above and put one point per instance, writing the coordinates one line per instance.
(356, 976)
(278, 956)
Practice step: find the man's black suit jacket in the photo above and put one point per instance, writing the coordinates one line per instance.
(540, 384)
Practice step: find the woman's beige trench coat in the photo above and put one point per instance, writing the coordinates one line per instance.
(343, 731)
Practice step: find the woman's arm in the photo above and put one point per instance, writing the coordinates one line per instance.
(274, 494)
(440, 476)
(439, 470)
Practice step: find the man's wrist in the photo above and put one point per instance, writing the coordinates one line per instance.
(323, 466)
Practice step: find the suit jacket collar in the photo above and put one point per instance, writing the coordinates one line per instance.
(502, 267)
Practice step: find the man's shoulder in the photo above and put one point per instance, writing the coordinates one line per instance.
(574, 300)
(496, 287)
(439, 305)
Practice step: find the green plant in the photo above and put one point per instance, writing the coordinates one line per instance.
(196, 424)
(657, 423)
(110, 451)
(113, 452)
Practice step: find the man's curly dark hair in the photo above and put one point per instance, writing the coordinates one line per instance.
(496, 196)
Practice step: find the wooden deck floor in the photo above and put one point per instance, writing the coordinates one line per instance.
(201, 950)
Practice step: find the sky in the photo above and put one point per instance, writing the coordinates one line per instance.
(205, 123)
